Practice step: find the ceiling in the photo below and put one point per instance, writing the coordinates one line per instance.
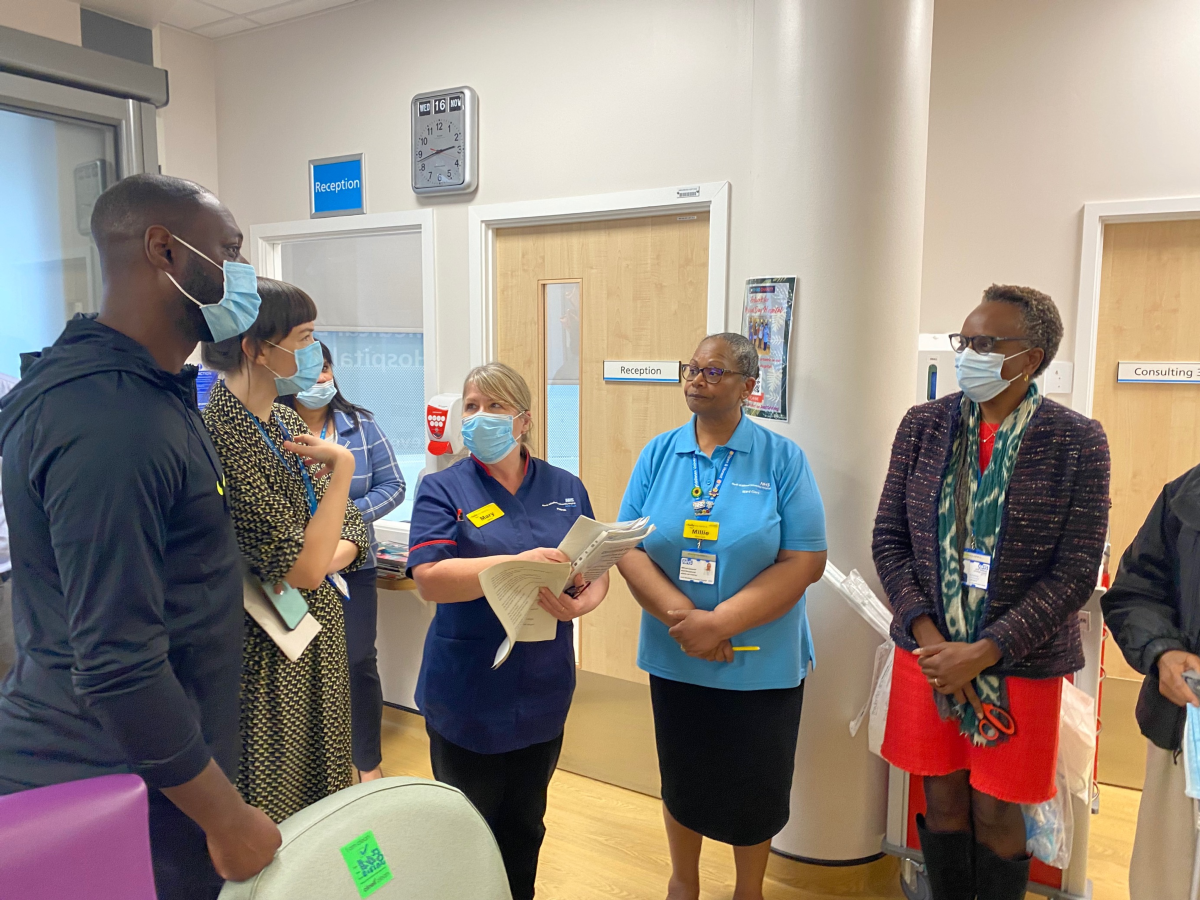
(210, 18)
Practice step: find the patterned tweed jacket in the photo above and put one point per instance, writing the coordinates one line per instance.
(1051, 539)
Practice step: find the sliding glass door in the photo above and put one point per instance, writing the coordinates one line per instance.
(60, 147)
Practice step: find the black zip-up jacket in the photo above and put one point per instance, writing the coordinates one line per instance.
(126, 589)
(1154, 603)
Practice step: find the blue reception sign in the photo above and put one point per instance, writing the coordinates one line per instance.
(336, 186)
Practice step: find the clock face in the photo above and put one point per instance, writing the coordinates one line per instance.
(440, 142)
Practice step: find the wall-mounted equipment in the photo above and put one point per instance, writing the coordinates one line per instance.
(443, 426)
(445, 141)
(935, 367)
(337, 186)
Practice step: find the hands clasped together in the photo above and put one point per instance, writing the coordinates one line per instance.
(951, 666)
(701, 634)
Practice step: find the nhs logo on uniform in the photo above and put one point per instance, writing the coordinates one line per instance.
(561, 505)
(337, 186)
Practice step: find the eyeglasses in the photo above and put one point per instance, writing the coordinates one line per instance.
(711, 373)
(980, 343)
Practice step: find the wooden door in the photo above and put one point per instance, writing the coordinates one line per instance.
(643, 295)
(1149, 311)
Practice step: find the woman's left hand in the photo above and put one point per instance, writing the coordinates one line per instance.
(698, 632)
(952, 665)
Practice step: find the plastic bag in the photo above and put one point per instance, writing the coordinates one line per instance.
(1050, 826)
(1191, 754)
(855, 591)
(1077, 741)
(876, 708)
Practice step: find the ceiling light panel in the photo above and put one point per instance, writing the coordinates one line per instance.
(294, 9)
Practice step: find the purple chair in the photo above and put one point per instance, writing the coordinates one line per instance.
(87, 838)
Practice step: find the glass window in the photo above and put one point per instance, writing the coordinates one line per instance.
(562, 375)
(368, 294)
(51, 172)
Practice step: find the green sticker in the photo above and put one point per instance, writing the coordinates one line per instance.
(367, 866)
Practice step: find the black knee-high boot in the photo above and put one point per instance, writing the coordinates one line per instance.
(949, 858)
(997, 878)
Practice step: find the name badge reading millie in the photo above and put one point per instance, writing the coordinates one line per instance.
(976, 568)
(698, 566)
(695, 530)
(485, 514)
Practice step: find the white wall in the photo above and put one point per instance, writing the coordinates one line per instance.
(1037, 108)
(56, 19)
(187, 126)
(575, 99)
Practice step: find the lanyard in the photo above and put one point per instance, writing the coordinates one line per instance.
(703, 506)
(308, 485)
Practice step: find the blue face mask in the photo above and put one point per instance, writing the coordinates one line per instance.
(238, 308)
(979, 374)
(309, 362)
(319, 395)
(489, 437)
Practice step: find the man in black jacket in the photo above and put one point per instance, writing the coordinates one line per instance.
(1153, 611)
(127, 592)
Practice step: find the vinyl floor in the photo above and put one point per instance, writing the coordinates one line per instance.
(607, 843)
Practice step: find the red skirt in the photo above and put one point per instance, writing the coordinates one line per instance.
(1019, 770)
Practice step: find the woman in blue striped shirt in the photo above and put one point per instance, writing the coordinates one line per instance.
(377, 489)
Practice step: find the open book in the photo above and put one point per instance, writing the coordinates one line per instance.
(512, 587)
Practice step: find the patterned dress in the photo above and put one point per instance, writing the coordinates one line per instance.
(295, 716)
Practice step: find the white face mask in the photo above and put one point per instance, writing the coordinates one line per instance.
(979, 373)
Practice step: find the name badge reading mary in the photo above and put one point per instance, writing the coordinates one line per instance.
(485, 514)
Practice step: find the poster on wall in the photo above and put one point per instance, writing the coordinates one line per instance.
(767, 322)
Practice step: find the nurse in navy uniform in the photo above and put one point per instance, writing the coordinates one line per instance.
(496, 733)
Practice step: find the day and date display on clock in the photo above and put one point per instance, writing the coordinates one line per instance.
(444, 141)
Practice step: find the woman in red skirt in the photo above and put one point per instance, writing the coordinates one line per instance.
(989, 538)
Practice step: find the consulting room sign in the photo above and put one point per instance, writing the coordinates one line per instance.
(658, 370)
(337, 186)
(1158, 372)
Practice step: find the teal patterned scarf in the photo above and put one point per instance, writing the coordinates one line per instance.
(972, 503)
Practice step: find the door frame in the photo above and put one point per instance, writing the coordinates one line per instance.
(266, 254)
(484, 220)
(1091, 261)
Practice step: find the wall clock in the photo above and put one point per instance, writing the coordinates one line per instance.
(445, 141)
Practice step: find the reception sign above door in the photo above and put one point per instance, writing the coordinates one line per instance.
(642, 370)
(1158, 372)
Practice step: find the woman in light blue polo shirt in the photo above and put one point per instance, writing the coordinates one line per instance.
(740, 535)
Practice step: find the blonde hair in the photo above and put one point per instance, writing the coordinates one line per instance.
(498, 381)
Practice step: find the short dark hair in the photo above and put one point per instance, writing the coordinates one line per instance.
(133, 204)
(284, 306)
(742, 350)
(1043, 325)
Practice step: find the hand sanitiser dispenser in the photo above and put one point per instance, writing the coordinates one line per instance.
(935, 367)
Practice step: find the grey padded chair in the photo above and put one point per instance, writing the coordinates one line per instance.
(435, 844)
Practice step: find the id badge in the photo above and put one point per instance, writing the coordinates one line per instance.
(698, 566)
(976, 568)
(339, 584)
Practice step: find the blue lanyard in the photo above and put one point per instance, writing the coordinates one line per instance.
(308, 485)
(701, 505)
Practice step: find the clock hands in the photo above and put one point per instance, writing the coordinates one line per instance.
(436, 152)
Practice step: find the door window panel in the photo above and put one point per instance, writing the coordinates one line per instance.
(368, 294)
(562, 375)
(51, 171)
